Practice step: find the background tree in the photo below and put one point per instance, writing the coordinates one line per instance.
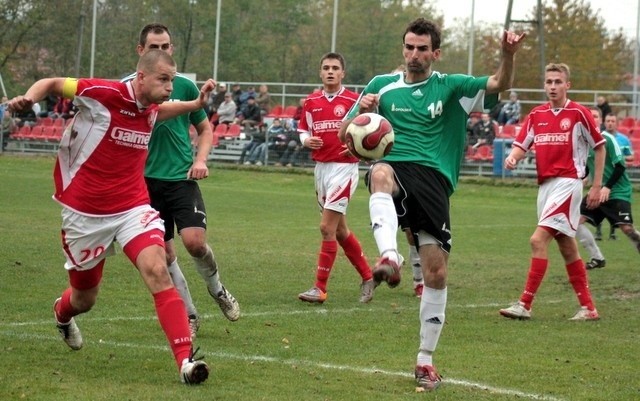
(283, 40)
(575, 35)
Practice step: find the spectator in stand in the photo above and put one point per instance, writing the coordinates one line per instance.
(26, 117)
(64, 108)
(244, 98)
(484, 131)
(3, 106)
(49, 104)
(263, 99)
(7, 126)
(236, 92)
(603, 104)
(226, 110)
(291, 153)
(295, 120)
(216, 99)
(276, 140)
(250, 116)
(616, 201)
(474, 118)
(611, 127)
(257, 138)
(510, 112)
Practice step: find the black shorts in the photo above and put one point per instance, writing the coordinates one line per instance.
(616, 211)
(179, 203)
(422, 203)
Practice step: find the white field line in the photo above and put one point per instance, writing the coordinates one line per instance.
(459, 382)
(314, 311)
(301, 362)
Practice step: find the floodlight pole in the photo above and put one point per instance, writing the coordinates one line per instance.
(540, 24)
(335, 24)
(217, 41)
(93, 37)
(471, 38)
(636, 61)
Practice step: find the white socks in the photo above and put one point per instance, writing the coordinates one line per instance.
(384, 223)
(208, 269)
(587, 240)
(432, 307)
(181, 285)
(414, 258)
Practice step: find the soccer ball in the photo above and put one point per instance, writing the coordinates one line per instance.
(369, 136)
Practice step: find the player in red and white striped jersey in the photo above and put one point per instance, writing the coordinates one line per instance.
(99, 182)
(562, 131)
(336, 176)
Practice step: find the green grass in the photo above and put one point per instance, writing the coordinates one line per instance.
(263, 227)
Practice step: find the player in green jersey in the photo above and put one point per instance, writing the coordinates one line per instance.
(171, 173)
(428, 111)
(616, 200)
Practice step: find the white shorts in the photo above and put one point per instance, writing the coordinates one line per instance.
(559, 204)
(87, 240)
(335, 185)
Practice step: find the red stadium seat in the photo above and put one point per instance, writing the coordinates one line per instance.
(37, 133)
(509, 131)
(58, 122)
(276, 111)
(628, 122)
(46, 121)
(289, 112)
(23, 133)
(624, 129)
(50, 133)
(214, 118)
(483, 153)
(233, 131)
(636, 159)
(221, 130)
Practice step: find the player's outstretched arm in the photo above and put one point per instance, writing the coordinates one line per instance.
(168, 110)
(38, 91)
(503, 78)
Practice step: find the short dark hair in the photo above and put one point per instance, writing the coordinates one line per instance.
(149, 60)
(152, 28)
(334, 56)
(421, 27)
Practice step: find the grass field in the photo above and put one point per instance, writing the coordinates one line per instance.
(263, 228)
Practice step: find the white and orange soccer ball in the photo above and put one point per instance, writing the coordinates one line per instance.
(369, 137)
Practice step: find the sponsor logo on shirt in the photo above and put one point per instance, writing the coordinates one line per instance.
(330, 125)
(395, 108)
(127, 113)
(552, 139)
(131, 139)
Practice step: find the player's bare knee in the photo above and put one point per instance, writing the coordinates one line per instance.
(327, 230)
(196, 249)
(381, 178)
